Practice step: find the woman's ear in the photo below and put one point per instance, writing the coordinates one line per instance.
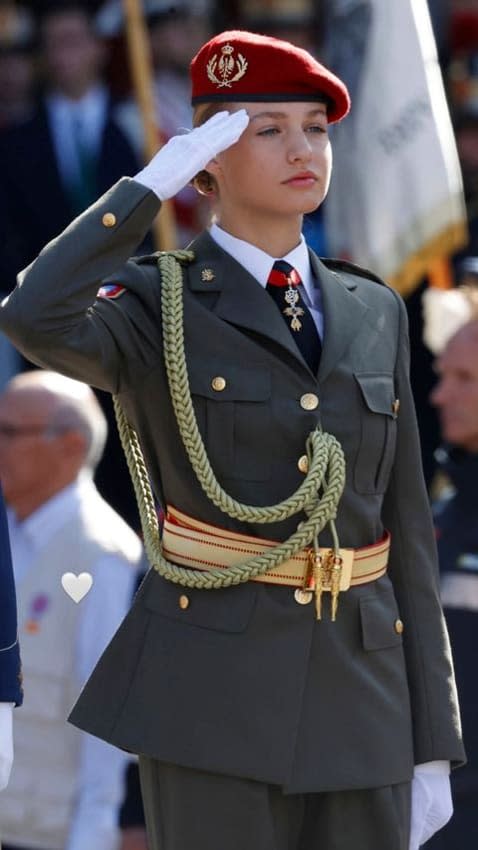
(204, 183)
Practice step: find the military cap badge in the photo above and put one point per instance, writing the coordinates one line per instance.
(226, 65)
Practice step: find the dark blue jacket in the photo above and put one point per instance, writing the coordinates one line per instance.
(456, 522)
(34, 204)
(10, 671)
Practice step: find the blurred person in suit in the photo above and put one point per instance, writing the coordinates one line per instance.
(11, 689)
(456, 520)
(60, 159)
(17, 103)
(66, 787)
(17, 66)
(56, 163)
(176, 30)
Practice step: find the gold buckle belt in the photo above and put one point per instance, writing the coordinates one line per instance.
(192, 543)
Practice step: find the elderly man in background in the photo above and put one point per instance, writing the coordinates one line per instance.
(11, 692)
(66, 786)
(456, 521)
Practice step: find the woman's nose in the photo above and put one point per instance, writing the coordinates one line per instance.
(299, 148)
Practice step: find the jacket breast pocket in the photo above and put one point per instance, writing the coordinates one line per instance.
(378, 432)
(224, 610)
(233, 409)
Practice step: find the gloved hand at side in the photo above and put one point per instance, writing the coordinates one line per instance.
(432, 805)
(175, 164)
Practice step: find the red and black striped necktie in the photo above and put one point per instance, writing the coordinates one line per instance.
(283, 287)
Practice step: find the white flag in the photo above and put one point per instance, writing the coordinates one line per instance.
(396, 202)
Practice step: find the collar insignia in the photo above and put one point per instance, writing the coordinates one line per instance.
(207, 275)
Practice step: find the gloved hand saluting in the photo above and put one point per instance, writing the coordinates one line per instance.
(183, 157)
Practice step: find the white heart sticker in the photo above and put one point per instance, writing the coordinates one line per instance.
(76, 586)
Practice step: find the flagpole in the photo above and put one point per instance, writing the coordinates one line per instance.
(164, 225)
(440, 274)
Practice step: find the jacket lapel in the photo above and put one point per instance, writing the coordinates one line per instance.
(242, 301)
(343, 314)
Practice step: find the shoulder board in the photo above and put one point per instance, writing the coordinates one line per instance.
(147, 260)
(351, 268)
(182, 256)
(111, 290)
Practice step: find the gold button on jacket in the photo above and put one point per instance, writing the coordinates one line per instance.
(398, 627)
(183, 602)
(303, 463)
(303, 597)
(218, 384)
(309, 401)
(109, 219)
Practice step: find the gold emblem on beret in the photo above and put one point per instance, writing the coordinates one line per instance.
(207, 275)
(226, 65)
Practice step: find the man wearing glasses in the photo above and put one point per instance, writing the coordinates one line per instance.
(65, 787)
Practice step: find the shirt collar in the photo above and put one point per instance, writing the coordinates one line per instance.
(92, 100)
(258, 263)
(43, 523)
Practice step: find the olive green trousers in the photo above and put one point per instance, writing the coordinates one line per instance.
(189, 809)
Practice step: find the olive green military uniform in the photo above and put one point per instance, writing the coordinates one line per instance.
(245, 682)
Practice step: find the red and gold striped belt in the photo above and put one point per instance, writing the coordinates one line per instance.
(198, 545)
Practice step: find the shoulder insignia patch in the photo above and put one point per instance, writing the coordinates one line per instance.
(351, 268)
(111, 290)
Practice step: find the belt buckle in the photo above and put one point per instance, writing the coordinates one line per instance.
(346, 564)
(329, 571)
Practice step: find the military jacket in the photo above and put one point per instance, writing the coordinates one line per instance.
(245, 681)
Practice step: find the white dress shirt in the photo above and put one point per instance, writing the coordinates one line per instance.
(100, 785)
(72, 121)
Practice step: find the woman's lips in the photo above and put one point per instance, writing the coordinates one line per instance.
(304, 178)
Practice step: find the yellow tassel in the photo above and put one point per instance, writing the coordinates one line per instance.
(318, 581)
(336, 575)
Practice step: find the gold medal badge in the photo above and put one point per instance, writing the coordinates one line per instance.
(225, 66)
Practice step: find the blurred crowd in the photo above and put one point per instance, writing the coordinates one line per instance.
(70, 126)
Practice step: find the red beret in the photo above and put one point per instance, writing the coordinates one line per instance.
(245, 66)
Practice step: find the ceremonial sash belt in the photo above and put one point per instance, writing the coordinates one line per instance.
(192, 543)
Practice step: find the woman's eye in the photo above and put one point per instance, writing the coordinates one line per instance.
(269, 131)
(316, 128)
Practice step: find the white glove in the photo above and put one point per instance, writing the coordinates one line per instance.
(432, 805)
(6, 742)
(183, 157)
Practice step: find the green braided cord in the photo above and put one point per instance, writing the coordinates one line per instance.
(325, 456)
(172, 319)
